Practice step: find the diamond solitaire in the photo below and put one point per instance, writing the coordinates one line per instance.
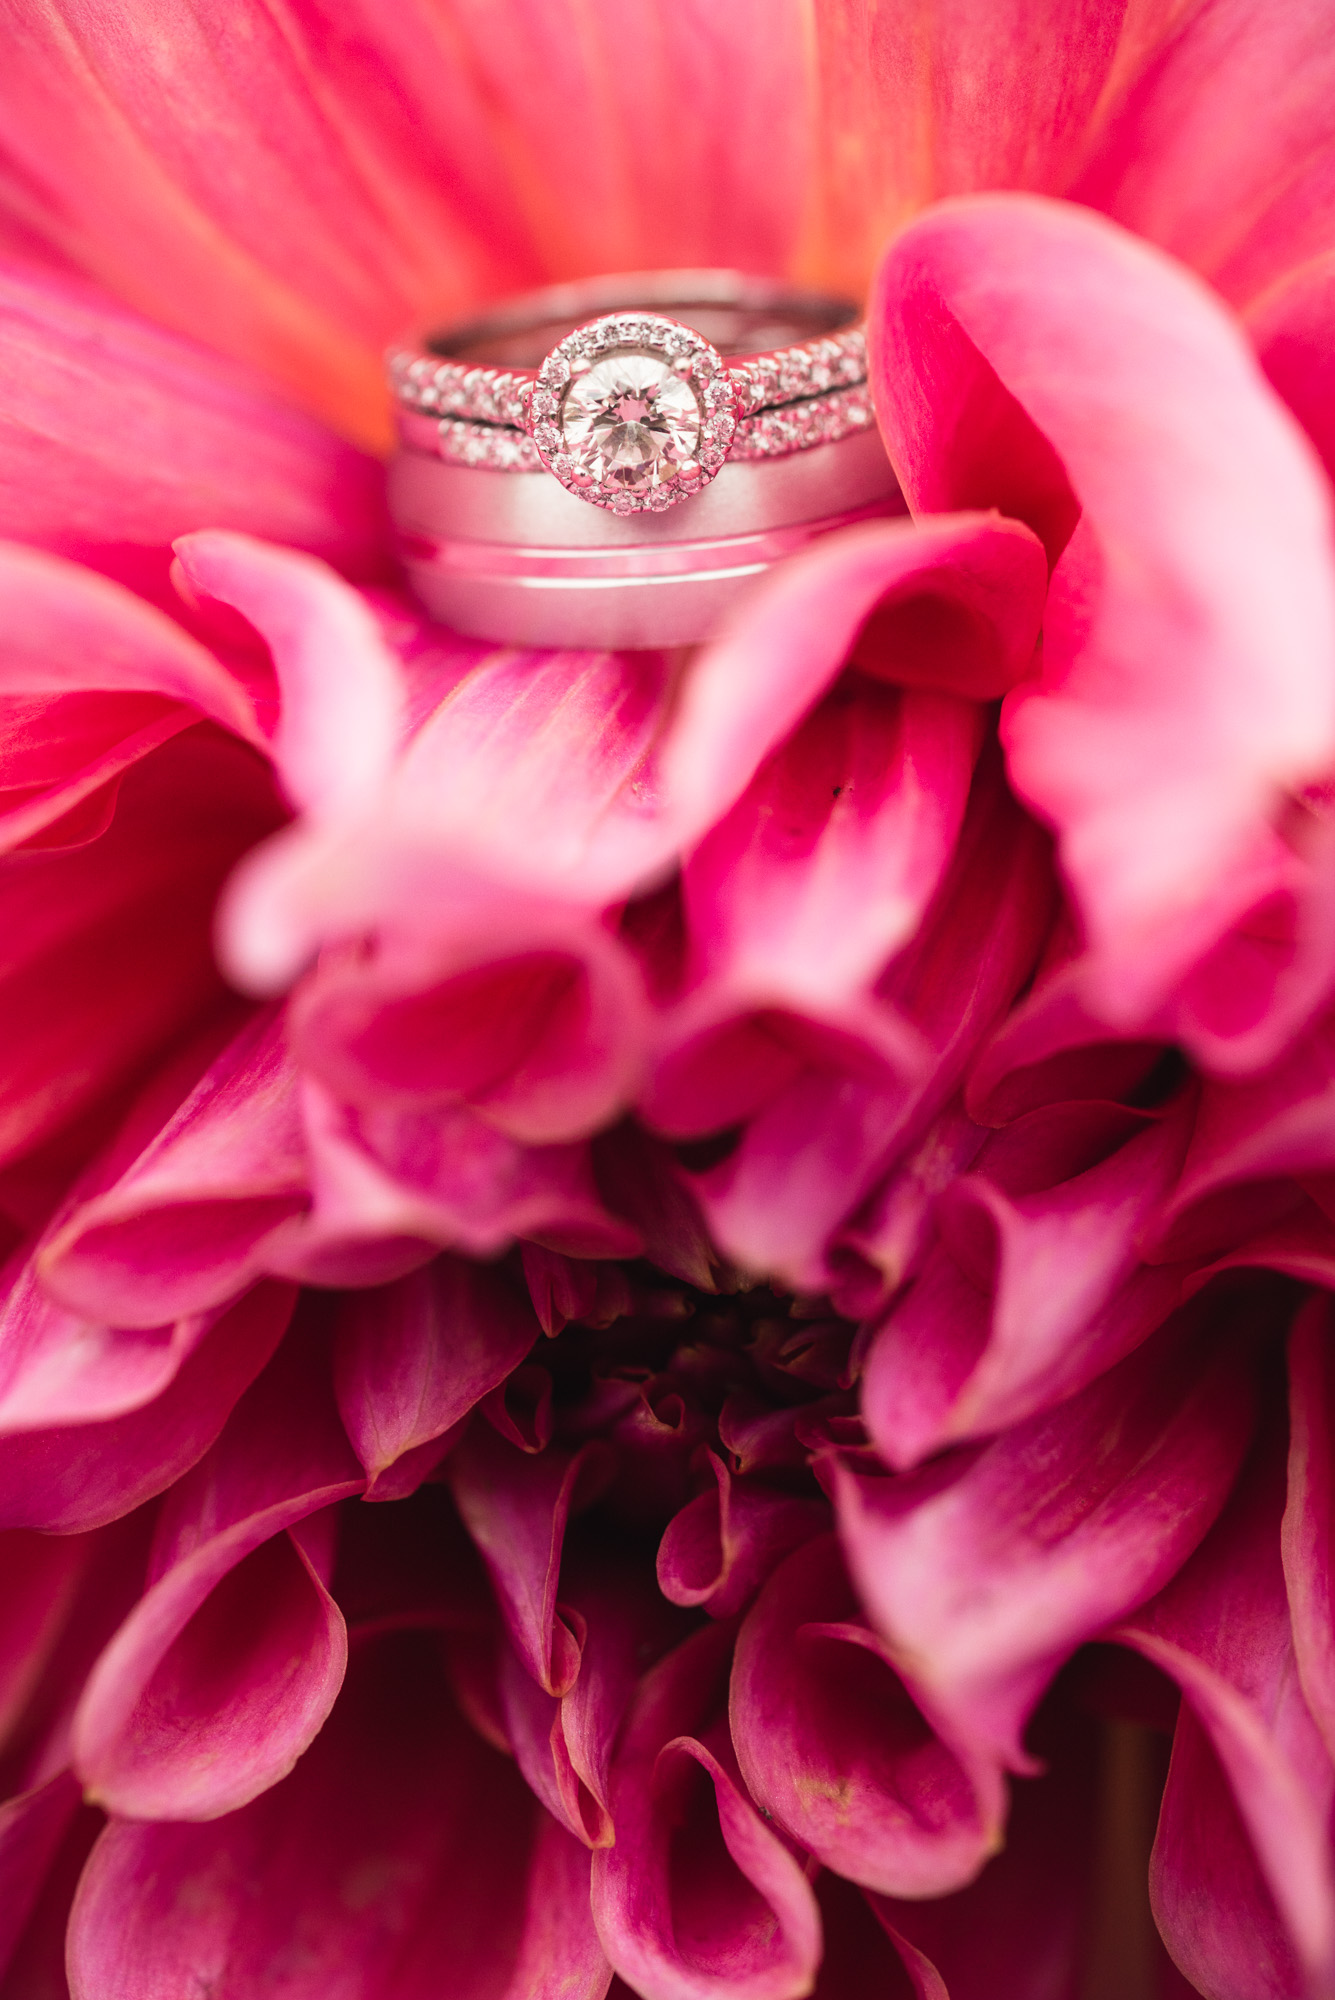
(633, 412)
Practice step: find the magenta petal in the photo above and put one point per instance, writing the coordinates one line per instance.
(796, 900)
(719, 1549)
(1242, 1883)
(226, 1669)
(411, 1360)
(516, 1506)
(187, 1224)
(973, 577)
(81, 1475)
(1031, 1293)
(1310, 1513)
(1185, 687)
(984, 1571)
(1290, 329)
(698, 1898)
(401, 1845)
(807, 1161)
(32, 1826)
(564, 1744)
(832, 1747)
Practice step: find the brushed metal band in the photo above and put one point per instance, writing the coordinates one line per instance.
(517, 559)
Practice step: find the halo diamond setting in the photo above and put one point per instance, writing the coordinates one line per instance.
(633, 412)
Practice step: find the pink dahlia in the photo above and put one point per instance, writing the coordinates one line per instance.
(666, 1325)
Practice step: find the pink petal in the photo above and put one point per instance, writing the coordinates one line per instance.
(108, 953)
(983, 1572)
(32, 1826)
(1289, 326)
(564, 1744)
(1306, 1533)
(400, 1845)
(832, 1747)
(812, 1156)
(1239, 1885)
(1220, 151)
(68, 1478)
(795, 901)
(1061, 350)
(41, 1578)
(954, 607)
(411, 1360)
(1251, 1138)
(229, 1664)
(698, 1898)
(720, 1548)
(182, 440)
(341, 690)
(188, 1223)
(516, 1508)
(1034, 1289)
(531, 1013)
(409, 1179)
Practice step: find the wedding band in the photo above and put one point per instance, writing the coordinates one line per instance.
(710, 443)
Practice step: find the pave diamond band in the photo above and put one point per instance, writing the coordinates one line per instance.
(485, 371)
(716, 423)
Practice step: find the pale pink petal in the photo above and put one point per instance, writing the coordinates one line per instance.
(832, 1747)
(1034, 1289)
(187, 1224)
(402, 1844)
(983, 1571)
(68, 1478)
(182, 440)
(698, 1899)
(411, 1360)
(341, 693)
(228, 1666)
(1186, 684)
(1241, 1885)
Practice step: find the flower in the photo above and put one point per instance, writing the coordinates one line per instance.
(707, 1326)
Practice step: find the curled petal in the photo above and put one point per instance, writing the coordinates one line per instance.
(227, 1667)
(65, 1478)
(832, 1746)
(984, 1571)
(1241, 1878)
(1186, 684)
(1030, 1294)
(411, 1360)
(400, 1844)
(722, 1545)
(186, 1224)
(340, 688)
(697, 1898)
